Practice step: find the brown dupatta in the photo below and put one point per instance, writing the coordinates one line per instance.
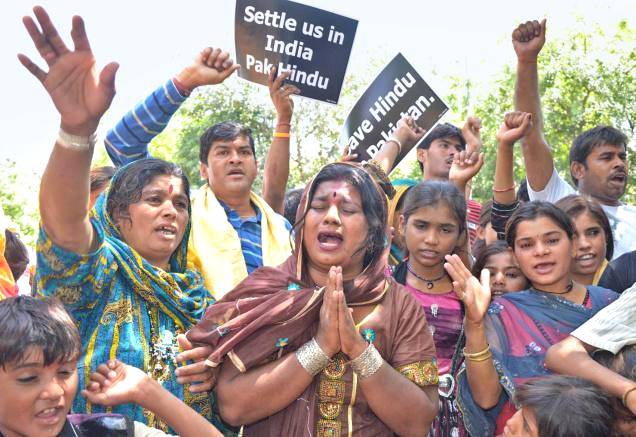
(275, 305)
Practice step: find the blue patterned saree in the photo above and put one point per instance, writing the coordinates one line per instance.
(125, 308)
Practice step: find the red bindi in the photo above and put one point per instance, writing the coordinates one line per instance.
(334, 194)
(170, 188)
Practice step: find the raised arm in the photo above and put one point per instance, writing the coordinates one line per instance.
(514, 127)
(81, 97)
(128, 141)
(480, 369)
(115, 383)
(406, 135)
(467, 163)
(277, 160)
(571, 357)
(527, 40)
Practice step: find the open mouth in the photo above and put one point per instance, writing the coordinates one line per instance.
(329, 240)
(497, 292)
(50, 416)
(543, 268)
(167, 231)
(586, 260)
(236, 172)
(618, 177)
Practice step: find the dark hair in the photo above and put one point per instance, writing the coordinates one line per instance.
(224, 131)
(374, 205)
(442, 130)
(430, 193)
(583, 145)
(522, 191)
(481, 256)
(292, 200)
(485, 216)
(574, 205)
(16, 254)
(589, 412)
(37, 322)
(532, 211)
(127, 186)
(623, 363)
(100, 177)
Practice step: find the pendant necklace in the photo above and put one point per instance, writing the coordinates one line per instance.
(429, 282)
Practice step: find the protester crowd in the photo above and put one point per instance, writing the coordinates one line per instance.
(355, 306)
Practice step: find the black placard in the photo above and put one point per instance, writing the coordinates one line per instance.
(311, 43)
(397, 91)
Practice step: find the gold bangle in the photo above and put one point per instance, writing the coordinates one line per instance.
(480, 359)
(624, 398)
(477, 354)
(281, 135)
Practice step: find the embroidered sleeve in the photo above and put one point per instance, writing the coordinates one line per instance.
(422, 373)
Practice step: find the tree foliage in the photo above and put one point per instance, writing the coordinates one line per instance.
(19, 200)
(586, 79)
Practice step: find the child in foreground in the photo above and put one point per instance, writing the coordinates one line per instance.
(39, 349)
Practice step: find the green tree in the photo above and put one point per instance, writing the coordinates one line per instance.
(586, 79)
(19, 200)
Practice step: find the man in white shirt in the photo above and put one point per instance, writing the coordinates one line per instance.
(597, 157)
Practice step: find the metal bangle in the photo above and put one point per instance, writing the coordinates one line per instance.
(312, 358)
(368, 363)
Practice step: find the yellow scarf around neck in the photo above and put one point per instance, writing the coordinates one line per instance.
(215, 248)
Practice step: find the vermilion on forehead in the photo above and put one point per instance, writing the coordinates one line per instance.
(164, 183)
(337, 191)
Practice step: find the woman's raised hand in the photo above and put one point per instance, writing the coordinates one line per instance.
(328, 335)
(474, 293)
(80, 95)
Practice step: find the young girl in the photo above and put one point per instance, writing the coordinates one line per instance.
(433, 226)
(505, 274)
(593, 242)
(507, 340)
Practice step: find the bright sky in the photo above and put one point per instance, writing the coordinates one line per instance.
(153, 40)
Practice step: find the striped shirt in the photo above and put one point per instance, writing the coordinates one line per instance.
(249, 232)
(614, 326)
(128, 140)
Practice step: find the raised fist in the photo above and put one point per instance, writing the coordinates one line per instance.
(515, 126)
(528, 39)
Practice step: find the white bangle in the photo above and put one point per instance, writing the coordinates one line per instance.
(397, 142)
(76, 141)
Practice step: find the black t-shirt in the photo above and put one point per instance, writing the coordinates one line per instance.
(620, 274)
